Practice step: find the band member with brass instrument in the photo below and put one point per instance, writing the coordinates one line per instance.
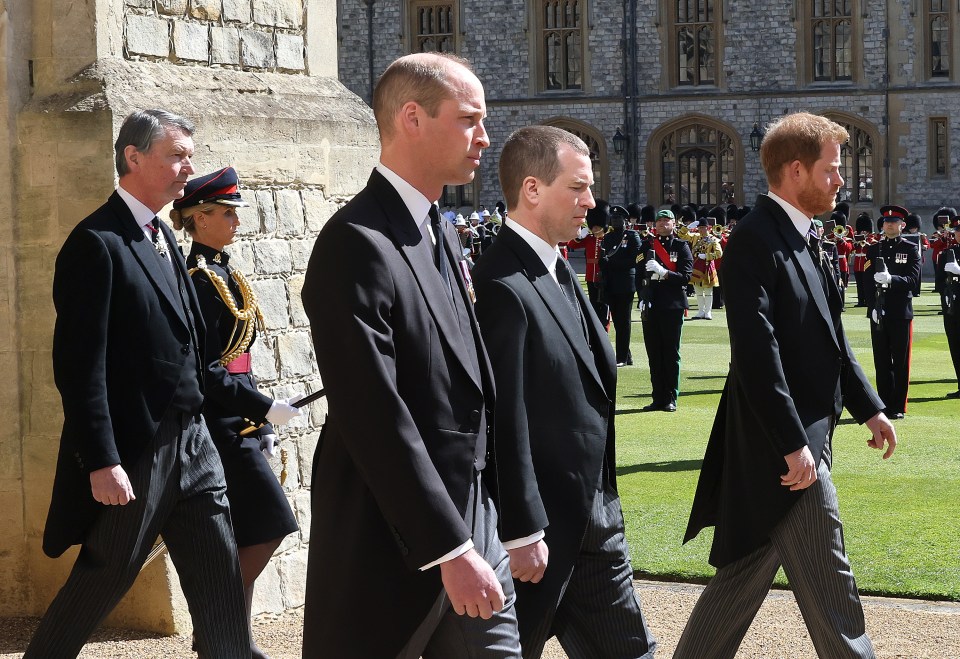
(706, 249)
(948, 268)
(843, 240)
(891, 328)
(911, 231)
(260, 511)
(942, 240)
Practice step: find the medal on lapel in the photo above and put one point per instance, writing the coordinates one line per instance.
(468, 280)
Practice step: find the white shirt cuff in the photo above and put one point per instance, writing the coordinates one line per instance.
(459, 551)
(523, 542)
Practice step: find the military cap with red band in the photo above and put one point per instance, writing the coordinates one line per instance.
(219, 187)
(893, 213)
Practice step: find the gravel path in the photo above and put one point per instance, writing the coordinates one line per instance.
(902, 629)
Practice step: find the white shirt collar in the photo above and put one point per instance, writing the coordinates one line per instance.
(141, 214)
(545, 251)
(413, 199)
(797, 216)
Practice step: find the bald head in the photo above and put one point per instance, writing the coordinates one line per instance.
(422, 78)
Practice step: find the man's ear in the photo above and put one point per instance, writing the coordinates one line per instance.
(409, 117)
(530, 190)
(131, 155)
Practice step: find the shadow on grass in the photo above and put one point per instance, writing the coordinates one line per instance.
(707, 377)
(946, 381)
(632, 410)
(660, 467)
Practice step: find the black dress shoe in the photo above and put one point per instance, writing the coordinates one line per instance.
(670, 407)
(652, 407)
(954, 394)
(896, 416)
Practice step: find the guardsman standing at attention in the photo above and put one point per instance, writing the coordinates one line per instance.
(861, 243)
(666, 264)
(890, 308)
(948, 271)
(592, 244)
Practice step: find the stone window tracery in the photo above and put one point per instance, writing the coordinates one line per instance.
(695, 30)
(561, 44)
(433, 26)
(698, 164)
(832, 29)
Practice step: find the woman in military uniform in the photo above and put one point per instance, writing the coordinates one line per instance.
(238, 415)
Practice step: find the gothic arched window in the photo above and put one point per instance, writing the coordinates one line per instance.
(698, 163)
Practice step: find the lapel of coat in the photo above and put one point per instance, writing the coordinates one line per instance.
(147, 256)
(418, 254)
(800, 254)
(556, 302)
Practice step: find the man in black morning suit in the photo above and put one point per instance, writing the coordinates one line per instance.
(765, 482)
(136, 460)
(889, 297)
(665, 263)
(404, 555)
(556, 383)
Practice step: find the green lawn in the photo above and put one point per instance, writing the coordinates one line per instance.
(901, 516)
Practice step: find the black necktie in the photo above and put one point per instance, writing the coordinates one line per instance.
(438, 250)
(566, 285)
(816, 253)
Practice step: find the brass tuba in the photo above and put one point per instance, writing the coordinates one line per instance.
(840, 231)
(718, 230)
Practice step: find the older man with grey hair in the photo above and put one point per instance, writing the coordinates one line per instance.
(136, 460)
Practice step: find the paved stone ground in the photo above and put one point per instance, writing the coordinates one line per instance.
(900, 629)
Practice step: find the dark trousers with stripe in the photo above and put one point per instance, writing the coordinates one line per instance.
(621, 308)
(599, 611)
(951, 325)
(444, 634)
(808, 543)
(180, 494)
(891, 359)
(661, 337)
(600, 308)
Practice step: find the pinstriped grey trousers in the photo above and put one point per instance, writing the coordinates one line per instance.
(181, 495)
(599, 615)
(808, 542)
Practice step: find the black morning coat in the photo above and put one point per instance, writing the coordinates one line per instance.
(396, 458)
(120, 346)
(791, 372)
(555, 410)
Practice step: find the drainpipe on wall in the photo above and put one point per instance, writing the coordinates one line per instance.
(370, 4)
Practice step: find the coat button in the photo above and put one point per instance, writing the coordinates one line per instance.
(184, 350)
(475, 416)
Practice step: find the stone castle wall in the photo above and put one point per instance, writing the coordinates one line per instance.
(258, 78)
(761, 77)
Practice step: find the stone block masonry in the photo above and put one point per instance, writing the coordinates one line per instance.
(266, 35)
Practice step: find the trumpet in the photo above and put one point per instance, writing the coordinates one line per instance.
(718, 230)
(840, 231)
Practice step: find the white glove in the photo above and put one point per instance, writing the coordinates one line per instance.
(644, 305)
(281, 411)
(268, 444)
(702, 256)
(875, 316)
(658, 270)
(583, 233)
(882, 278)
(953, 268)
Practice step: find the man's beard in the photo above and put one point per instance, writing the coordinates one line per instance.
(814, 201)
